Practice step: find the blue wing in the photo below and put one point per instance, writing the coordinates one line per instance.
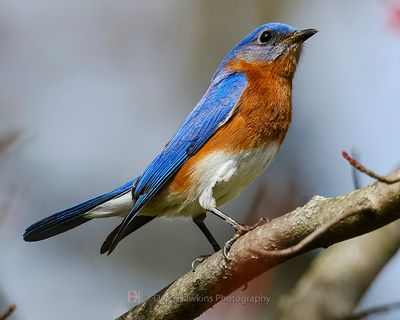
(212, 111)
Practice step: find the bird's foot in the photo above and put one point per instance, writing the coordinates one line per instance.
(198, 261)
(240, 231)
(228, 245)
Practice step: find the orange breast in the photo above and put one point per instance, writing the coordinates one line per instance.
(263, 116)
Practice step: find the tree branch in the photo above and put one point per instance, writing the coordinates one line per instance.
(338, 279)
(8, 312)
(374, 206)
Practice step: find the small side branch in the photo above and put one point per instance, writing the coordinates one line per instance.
(367, 171)
(8, 312)
(320, 231)
(311, 238)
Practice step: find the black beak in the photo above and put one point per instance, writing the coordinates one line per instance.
(303, 35)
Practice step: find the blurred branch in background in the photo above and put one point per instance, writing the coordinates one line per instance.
(372, 207)
(338, 279)
(8, 312)
(6, 142)
(374, 311)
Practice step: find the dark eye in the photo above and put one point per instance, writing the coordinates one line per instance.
(264, 37)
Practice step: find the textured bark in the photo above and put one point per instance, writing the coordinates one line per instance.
(337, 280)
(377, 204)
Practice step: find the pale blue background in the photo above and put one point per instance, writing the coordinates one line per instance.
(98, 87)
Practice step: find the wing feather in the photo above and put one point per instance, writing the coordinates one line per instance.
(213, 110)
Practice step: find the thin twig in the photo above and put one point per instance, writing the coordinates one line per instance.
(355, 172)
(5, 206)
(374, 311)
(318, 232)
(367, 171)
(314, 235)
(8, 312)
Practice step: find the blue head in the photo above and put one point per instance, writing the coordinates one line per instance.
(268, 42)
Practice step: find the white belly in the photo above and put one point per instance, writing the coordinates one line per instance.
(218, 178)
(223, 176)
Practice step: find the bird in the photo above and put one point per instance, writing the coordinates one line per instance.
(227, 141)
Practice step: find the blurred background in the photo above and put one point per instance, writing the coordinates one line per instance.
(90, 91)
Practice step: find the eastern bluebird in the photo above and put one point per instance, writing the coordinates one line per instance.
(228, 140)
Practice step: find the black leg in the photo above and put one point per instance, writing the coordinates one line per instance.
(199, 221)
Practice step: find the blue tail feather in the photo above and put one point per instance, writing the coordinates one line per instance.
(71, 217)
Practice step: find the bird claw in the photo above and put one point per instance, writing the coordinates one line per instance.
(240, 231)
(199, 260)
(228, 245)
(260, 222)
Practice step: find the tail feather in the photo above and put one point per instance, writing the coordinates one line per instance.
(72, 217)
(137, 222)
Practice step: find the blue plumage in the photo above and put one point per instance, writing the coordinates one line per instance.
(212, 111)
(261, 48)
(71, 217)
(250, 49)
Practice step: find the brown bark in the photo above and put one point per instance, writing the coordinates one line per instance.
(338, 279)
(377, 204)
